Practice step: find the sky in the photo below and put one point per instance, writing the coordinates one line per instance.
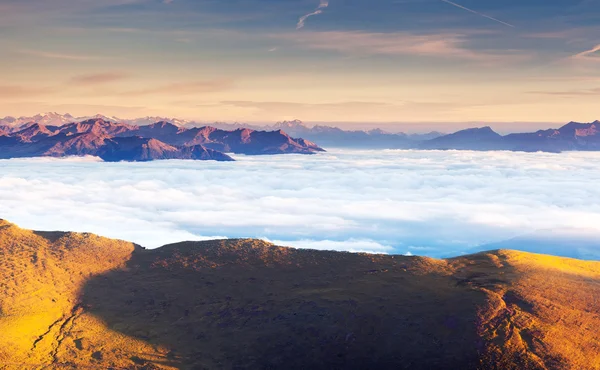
(353, 61)
(431, 203)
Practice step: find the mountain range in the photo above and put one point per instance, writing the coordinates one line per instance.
(57, 119)
(125, 142)
(572, 136)
(80, 301)
(326, 136)
(334, 137)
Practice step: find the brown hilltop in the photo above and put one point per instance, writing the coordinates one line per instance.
(71, 300)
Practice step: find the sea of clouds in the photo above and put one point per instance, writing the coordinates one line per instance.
(430, 203)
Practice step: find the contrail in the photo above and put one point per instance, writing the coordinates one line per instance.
(593, 50)
(481, 14)
(324, 4)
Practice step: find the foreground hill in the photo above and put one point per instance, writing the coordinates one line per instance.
(74, 301)
(162, 140)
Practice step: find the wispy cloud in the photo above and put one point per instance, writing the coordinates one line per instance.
(183, 88)
(324, 4)
(56, 55)
(16, 91)
(591, 54)
(443, 45)
(564, 34)
(98, 78)
(570, 93)
(275, 105)
(359, 109)
(478, 13)
(125, 30)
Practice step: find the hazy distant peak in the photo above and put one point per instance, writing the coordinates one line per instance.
(378, 131)
(148, 120)
(289, 124)
(57, 119)
(104, 118)
(49, 119)
(478, 131)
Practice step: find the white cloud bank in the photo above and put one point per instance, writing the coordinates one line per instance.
(422, 202)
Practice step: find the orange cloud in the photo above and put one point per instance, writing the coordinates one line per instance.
(273, 105)
(55, 55)
(571, 93)
(397, 43)
(15, 91)
(184, 88)
(98, 78)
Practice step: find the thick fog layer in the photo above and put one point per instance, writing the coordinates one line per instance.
(408, 202)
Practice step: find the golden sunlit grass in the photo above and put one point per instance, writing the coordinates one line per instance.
(81, 301)
(40, 315)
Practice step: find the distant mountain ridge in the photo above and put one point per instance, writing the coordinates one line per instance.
(572, 136)
(57, 119)
(334, 137)
(161, 140)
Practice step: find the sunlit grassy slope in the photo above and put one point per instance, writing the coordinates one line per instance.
(80, 301)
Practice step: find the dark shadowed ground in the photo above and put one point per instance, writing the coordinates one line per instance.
(79, 301)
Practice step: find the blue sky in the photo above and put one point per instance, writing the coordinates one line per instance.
(352, 61)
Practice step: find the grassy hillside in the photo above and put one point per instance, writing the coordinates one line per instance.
(77, 301)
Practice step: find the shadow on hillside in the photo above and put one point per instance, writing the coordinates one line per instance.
(335, 311)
